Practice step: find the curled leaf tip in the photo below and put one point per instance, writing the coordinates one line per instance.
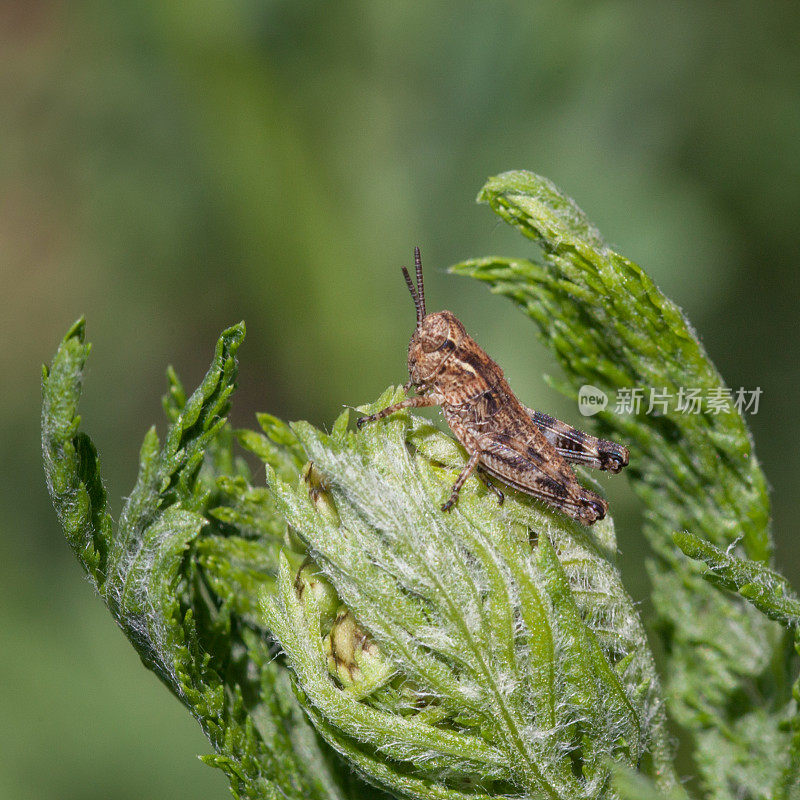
(77, 330)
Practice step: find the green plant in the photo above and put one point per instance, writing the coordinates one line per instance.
(337, 636)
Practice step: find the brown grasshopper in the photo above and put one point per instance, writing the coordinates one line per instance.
(526, 449)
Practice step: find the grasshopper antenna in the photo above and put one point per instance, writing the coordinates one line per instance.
(413, 294)
(414, 297)
(420, 284)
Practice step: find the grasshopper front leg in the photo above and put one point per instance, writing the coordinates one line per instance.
(420, 401)
(461, 480)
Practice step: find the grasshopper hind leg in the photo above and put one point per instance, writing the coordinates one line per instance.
(579, 447)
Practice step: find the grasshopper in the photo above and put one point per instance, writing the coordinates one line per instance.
(526, 449)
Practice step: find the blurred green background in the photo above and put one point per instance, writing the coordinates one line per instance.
(169, 168)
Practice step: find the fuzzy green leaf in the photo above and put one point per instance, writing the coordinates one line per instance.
(766, 589)
(611, 328)
(509, 669)
(181, 537)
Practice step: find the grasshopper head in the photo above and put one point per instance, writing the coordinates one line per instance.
(433, 341)
(436, 336)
